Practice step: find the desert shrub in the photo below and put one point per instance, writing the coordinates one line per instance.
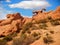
(23, 31)
(26, 41)
(54, 22)
(29, 40)
(3, 42)
(34, 27)
(28, 31)
(49, 18)
(47, 34)
(35, 34)
(23, 40)
(27, 26)
(7, 38)
(48, 40)
(42, 26)
(41, 21)
(23, 36)
(19, 41)
(52, 32)
(13, 34)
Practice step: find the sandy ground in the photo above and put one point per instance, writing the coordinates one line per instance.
(56, 36)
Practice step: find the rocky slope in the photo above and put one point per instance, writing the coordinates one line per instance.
(32, 31)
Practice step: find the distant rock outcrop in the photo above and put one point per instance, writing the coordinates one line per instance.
(38, 15)
(14, 22)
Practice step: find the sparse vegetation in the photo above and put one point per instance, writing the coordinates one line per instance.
(34, 27)
(28, 31)
(19, 30)
(3, 42)
(23, 31)
(35, 34)
(41, 21)
(54, 22)
(43, 26)
(7, 38)
(52, 32)
(23, 40)
(49, 18)
(19, 41)
(48, 40)
(27, 26)
(14, 34)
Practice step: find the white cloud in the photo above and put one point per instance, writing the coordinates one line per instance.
(8, 0)
(4, 12)
(30, 4)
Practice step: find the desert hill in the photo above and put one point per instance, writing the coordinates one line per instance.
(43, 28)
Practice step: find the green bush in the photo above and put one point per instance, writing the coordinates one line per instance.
(13, 34)
(23, 31)
(7, 38)
(35, 34)
(23, 36)
(54, 22)
(27, 26)
(29, 40)
(28, 31)
(48, 40)
(3, 42)
(43, 25)
(19, 41)
(49, 18)
(23, 40)
(52, 32)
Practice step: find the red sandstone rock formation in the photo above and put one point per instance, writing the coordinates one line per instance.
(14, 22)
(26, 20)
(55, 14)
(38, 15)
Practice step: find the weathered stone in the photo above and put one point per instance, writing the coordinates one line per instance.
(14, 22)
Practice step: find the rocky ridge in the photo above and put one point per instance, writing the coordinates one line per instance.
(14, 22)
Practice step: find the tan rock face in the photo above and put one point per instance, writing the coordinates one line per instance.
(26, 20)
(4, 29)
(15, 16)
(38, 15)
(14, 22)
(55, 14)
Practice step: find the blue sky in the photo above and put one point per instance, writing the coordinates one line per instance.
(25, 7)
